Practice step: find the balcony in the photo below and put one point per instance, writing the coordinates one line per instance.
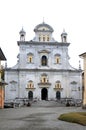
(28, 88)
(58, 88)
(44, 84)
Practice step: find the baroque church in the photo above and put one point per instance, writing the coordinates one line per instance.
(43, 70)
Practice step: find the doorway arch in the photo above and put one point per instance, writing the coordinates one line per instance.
(44, 94)
(30, 95)
(58, 95)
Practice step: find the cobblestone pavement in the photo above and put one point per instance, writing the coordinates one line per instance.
(38, 118)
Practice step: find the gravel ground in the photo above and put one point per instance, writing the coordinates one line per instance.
(37, 118)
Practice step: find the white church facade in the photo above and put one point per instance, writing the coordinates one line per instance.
(43, 70)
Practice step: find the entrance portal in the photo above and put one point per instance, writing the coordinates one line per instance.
(58, 95)
(44, 94)
(30, 95)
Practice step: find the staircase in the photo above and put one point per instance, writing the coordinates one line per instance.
(44, 103)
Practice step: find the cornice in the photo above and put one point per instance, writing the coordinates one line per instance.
(43, 70)
(42, 43)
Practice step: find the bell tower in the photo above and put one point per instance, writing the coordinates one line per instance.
(22, 35)
(64, 36)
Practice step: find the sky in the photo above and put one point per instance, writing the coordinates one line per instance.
(60, 14)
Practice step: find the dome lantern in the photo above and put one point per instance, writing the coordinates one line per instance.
(64, 36)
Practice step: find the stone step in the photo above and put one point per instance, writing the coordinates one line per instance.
(44, 103)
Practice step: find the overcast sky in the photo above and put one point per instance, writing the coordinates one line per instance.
(60, 14)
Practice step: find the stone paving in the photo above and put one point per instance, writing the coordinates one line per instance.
(42, 115)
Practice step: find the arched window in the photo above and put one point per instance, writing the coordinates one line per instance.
(44, 61)
(30, 57)
(57, 58)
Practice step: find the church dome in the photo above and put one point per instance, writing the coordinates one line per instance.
(43, 27)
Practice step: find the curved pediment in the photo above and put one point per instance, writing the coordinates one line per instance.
(44, 51)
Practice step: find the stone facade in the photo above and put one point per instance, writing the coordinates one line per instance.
(43, 70)
(84, 79)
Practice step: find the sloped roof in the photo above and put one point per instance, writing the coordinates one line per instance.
(83, 55)
(2, 56)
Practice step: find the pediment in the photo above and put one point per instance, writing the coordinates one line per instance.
(13, 82)
(44, 51)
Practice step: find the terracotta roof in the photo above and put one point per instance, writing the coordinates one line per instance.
(83, 55)
(2, 56)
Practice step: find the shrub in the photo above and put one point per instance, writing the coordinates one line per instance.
(74, 117)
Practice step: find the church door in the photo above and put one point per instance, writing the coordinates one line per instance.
(58, 95)
(44, 94)
(30, 95)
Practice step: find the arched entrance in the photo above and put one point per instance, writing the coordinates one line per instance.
(44, 94)
(58, 95)
(30, 95)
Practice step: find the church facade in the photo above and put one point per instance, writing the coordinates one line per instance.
(43, 70)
